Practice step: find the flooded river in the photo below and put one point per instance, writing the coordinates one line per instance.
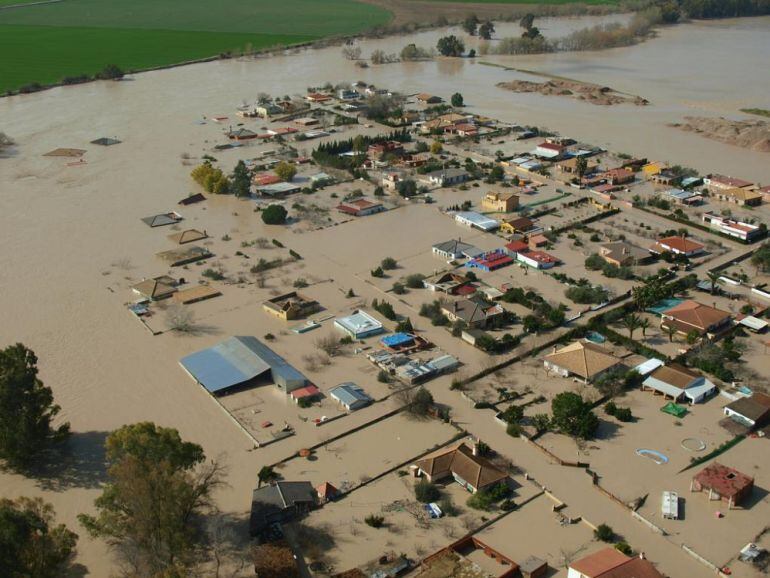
(711, 68)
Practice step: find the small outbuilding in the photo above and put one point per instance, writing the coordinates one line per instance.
(723, 483)
(359, 325)
(350, 396)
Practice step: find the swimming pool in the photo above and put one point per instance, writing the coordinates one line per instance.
(664, 305)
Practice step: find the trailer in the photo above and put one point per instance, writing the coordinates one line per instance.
(670, 505)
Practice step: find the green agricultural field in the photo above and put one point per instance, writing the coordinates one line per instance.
(51, 41)
(593, 2)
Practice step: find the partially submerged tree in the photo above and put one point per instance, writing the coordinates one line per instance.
(573, 416)
(159, 487)
(274, 215)
(285, 171)
(241, 182)
(27, 409)
(450, 46)
(30, 544)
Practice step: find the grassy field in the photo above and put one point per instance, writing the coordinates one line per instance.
(593, 2)
(757, 111)
(51, 41)
(47, 54)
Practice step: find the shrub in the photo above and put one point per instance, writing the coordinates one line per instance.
(213, 274)
(624, 414)
(274, 215)
(414, 281)
(485, 499)
(610, 408)
(426, 492)
(389, 263)
(304, 402)
(604, 533)
(374, 521)
(269, 337)
(448, 507)
(383, 376)
(300, 283)
(513, 430)
(398, 289)
(625, 548)
(378, 272)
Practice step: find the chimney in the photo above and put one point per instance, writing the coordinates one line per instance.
(642, 556)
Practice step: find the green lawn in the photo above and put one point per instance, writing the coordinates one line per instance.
(45, 43)
(46, 54)
(532, 1)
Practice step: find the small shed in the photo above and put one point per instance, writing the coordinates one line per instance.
(723, 483)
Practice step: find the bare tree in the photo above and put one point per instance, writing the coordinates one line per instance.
(180, 318)
(351, 52)
(330, 345)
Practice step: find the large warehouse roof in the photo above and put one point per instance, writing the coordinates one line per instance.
(235, 361)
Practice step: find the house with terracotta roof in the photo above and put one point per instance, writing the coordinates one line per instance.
(678, 383)
(517, 225)
(498, 202)
(464, 465)
(723, 483)
(476, 312)
(549, 150)
(751, 412)
(612, 563)
(619, 176)
(326, 492)
(690, 316)
(156, 288)
(515, 247)
(678, 246)
(537, 259)
(581, 359)
(717, 182)
(360, 207)
(290, 306)
(746, 232)
(738, 196)
(623, 254)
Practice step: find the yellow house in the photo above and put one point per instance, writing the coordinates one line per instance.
(653, 168)
(500, 202)
(518, 225)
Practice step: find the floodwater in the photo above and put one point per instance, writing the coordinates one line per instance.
(704, 68)
(71, 234)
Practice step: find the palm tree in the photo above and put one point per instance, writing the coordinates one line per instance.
(671, 332)
(632, 323)
(644, 324)
(714, 278)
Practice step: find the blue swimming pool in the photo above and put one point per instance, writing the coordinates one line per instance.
(664, 305)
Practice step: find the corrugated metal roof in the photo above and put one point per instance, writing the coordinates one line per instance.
(235, 361)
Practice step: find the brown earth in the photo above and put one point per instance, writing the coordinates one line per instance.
(593, 93)
(749, 134)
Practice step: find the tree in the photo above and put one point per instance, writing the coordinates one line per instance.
(30, 544)
(275, 560)
(604, 533)
(644, 325)
(713, 277)
(761, 258)
(417, 402)
(406, 188)
(27, 409)
(266, 475)
(389, 263)
(436, 147)
(285, 171)
(457, 100)
(470, 24)
(450, 46)
(486, 30)
(671, 331)
(632, 323)
(274, 215)
(110, 72)
(241, 182)
(158, 488)
(426, 492)
(573, 416)
(527, 21)
(581, 166)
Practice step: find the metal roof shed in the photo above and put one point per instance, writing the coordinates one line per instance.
(238, 360)
(350, 395)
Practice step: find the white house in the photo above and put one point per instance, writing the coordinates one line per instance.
(476, 220)
(359, 325)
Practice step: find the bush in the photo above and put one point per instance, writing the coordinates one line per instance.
(485, 499)
(304, 402)
(398, 289)
(585, 294)
(374, 521)
(213, 274)
(378, 272)
(383, 376)
(389, 263)
(610, 408)
(426, 492)
(624, 414)
(625, 548)
(274, 215)
(573, 416)
(513, 430)
(448, 507)
(414, 281)
(604, 533)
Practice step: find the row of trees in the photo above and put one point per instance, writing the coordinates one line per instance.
(151, 510)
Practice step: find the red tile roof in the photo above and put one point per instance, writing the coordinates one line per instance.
(596, 564)
(681, 244)
(725, 481)
(517, 247)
